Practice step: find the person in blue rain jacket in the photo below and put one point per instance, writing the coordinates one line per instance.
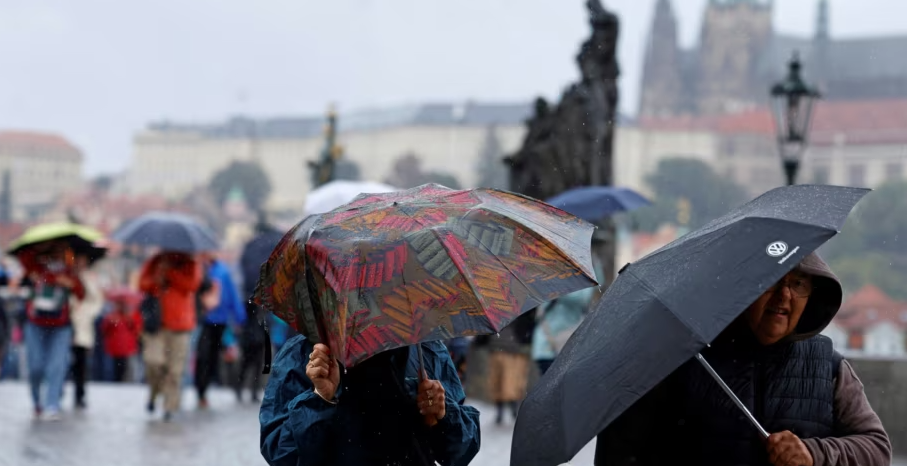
(316, 413)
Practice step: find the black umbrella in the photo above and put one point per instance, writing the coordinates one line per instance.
(168, 231)
(256, 252)
(665, 308)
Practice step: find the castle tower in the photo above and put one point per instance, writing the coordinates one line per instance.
(821, 42)
(662, 81)
(734, 35)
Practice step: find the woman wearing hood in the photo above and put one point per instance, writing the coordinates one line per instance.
(802, 391)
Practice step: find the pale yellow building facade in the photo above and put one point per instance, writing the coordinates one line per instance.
(41, 167)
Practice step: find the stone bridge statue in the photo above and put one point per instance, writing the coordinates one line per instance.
(569, 144)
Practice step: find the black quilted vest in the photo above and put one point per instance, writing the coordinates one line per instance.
(787, 386)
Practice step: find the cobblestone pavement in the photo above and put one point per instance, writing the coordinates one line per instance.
(116, 430)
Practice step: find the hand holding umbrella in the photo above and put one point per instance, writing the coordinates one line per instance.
(430, 399)
(324, 371)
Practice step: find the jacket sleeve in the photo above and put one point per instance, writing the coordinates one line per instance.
(296, 423)
(187, 278)
(456, 438)
(863, 441)
(230, 297)
(147, 284)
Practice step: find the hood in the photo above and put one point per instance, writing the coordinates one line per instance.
(823, 303)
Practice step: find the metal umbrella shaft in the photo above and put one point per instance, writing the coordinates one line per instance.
(733, 396)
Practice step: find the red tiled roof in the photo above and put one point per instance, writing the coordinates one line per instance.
(870, 306)
(26, 139)
(850, 122)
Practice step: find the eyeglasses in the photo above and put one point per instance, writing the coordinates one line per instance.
(800, 287)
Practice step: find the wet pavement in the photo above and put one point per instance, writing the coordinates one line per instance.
(116, 430)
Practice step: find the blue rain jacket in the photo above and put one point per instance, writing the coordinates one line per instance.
(375, 422)
(231, 305)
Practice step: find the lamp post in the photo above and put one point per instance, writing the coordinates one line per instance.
(792, 105)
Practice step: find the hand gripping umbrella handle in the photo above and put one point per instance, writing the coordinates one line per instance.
(431, 421)
(731, 394)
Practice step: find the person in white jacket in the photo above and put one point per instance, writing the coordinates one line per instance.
(84, 314)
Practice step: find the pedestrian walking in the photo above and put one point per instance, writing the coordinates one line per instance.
(171, 279)
(221, 306)
(84, 313)
(48, 330)
(121, 329)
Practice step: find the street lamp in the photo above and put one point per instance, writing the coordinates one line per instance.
(792, 104)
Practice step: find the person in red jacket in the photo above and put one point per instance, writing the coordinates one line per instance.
(121, 329)
(173, 278)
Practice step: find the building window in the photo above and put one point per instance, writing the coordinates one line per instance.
(856, 176)
(820, 175)
(893, 171)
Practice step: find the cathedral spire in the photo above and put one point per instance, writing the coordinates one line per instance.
(822, 27)
(661, 80)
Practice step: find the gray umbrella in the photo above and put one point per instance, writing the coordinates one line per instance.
(168, 231)
(664, 309)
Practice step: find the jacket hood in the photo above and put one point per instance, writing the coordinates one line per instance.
(824, 302)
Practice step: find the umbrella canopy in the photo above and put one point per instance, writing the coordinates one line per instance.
(429, 263)
(330, 196)
(593, 203)
(665, 308)
(80, 236)
(168, 231)
(254, 254)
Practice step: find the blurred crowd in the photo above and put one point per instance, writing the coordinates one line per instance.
(168, 319)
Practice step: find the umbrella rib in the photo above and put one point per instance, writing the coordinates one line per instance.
(412, 309)
(797, 222)
(468, 278)
(522, 221)
(528, 289)
(654, 294)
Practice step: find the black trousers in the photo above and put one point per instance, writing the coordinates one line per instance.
(120, 365)
(207, 356)
(79, 371)
(251, 364)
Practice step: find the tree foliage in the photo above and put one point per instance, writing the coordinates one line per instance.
(407, 173)
(687, 191)
(872, 246)
(248, 176)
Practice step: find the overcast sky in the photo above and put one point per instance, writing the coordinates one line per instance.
(96, 71)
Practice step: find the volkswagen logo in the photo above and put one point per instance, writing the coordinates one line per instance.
(776, 249)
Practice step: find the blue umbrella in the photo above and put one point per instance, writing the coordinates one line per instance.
(593, 203)
(168, 231)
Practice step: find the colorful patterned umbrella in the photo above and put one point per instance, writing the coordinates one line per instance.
(430, 263)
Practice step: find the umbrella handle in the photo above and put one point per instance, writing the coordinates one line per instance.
(730, 393)
(429, 420)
